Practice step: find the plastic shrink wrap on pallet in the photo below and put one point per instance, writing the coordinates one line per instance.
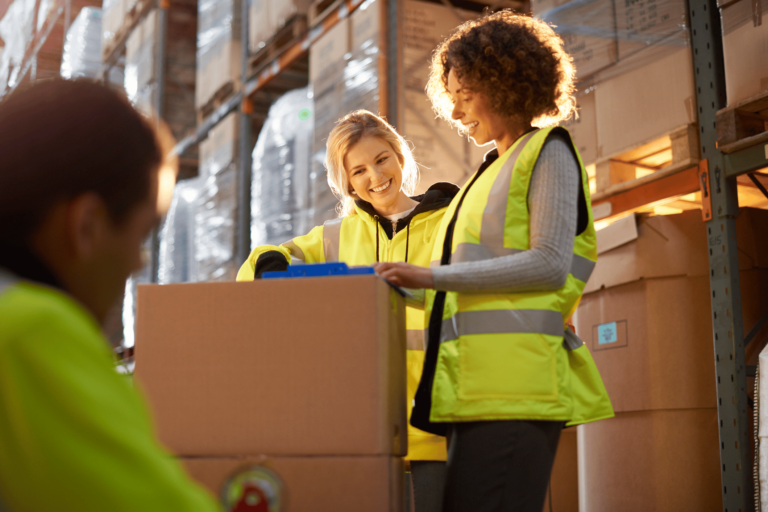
(342, 79)
(140, 70)
(265, 17)
(633, 61)
(218, 47)
(281, 161)
(177, 234)
(16, 31)
(142, 276)
(82, 48)
(443, 154)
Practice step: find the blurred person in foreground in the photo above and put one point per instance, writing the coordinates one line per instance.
(83, 180)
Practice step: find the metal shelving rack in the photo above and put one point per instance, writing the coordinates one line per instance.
(715, 177)
(719, 184)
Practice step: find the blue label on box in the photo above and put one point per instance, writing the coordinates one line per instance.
(607, 333)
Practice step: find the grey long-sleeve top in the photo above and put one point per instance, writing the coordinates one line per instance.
(553, 207)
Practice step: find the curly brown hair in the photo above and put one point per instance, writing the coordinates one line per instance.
(515, 61)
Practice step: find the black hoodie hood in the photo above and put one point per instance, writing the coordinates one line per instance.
(437, 196)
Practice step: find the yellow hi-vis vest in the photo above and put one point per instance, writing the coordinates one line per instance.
(352, 239)
(502, 356)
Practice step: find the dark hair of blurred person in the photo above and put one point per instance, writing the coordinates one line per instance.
(83, 179)
(78, 188)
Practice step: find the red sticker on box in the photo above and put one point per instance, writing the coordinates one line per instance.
(254, 489)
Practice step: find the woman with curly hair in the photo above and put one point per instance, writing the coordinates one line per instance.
(503, 373)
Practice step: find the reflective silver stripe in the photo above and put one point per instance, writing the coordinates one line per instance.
(332, 239)
(296, 252)
(414, 339)
(6, 280)
(581, 268)
(495, 214)
(504, 321)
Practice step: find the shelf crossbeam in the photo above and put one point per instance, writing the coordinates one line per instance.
(746, 160)
(725, 287)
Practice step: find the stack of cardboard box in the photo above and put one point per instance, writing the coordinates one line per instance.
(345, 68)
(634, 68)
(646, 317)
(327, 63)
(444, 155)
(265, 17)
(305, 377)
(141, 58)
(219, 55)
(216, 205)
(745, 49)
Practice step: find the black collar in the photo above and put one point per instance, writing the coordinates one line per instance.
(20, 260)
(437, 196)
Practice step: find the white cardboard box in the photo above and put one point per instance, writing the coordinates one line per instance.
(745, 48)
(645, 103)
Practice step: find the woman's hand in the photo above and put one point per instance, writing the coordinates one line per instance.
(406, 275)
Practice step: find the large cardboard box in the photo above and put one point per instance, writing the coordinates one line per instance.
(641, 24)
(219, 150)
(563, 493)
(745, 50)
(588, 31)
(219, 56)
(646, 312)
(652, 99)
(300, 367)
(326, 56)
(314, 484)
(442, 153)
(665, 461)
(584, 128)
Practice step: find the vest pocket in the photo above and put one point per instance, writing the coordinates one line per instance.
(507, 366)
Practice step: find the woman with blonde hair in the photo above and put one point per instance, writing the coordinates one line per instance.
(503, 373)
(372, 172)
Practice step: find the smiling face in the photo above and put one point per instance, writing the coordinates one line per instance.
(471, 109)
(375, 175)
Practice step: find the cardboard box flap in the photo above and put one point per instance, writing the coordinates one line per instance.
(617, 234)
(666, 246)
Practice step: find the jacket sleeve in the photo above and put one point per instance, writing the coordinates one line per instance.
(75, 434)
(302, 249)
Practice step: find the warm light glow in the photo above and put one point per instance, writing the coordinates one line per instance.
(603, 224)
(666, 210)
(642, 171)
(690, 197)
(169, 169)
(592, 185)
(591, 169)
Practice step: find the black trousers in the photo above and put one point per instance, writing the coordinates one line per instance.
(500, 466)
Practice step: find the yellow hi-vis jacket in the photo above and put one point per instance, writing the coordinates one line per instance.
(75, 434)
(355, 240)
(505, 356)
